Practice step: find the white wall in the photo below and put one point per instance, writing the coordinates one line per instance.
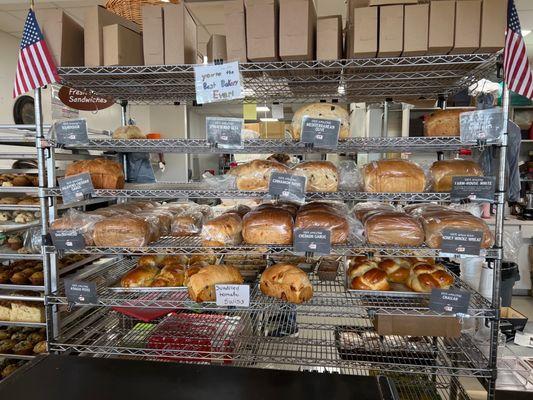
(8, 64)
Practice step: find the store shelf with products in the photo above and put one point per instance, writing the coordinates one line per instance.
(244, 339)
(257, 146)
(298, 81)
(193, 245)
(330, 298)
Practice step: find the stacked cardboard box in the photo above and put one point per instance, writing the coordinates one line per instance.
(235, 26)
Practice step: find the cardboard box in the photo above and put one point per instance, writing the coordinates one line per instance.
(153, 36)
(364, 33)
(235, 25)
(441, 26)
(95, 19)
(252, 126)
(390, 31)
(262, 30)
(391, 2)
(216, 48)
(413, 325)
(63, 35)
(181, 45)
(297, 40)
(329, 38)
(272, 130)
(351, 5)
(493, 25)
(416, 28)
(122, 46)
(467, 26)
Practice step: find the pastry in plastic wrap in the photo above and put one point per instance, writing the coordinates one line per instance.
(393, 228)
(334, 207)
(201, 286)
(322, 176)
(324, 111)
(123, 231)
(290, 207)
(444, 123)
(393, 176)
(78, 221)
(128, 132)
(255, 175)
(425, 277)
(336, 223)
(141, 276)
(186, 223)
(270, 225)
(360, 210)
(286, 282)
(224, 230)
(365, 275)
(418, 209)
(443, 171)
(105, 174)
(435, 222)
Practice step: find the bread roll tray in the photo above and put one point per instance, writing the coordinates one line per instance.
(397, 290)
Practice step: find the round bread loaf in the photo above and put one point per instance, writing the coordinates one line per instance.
(286, 282)
(425, 277)
(336, 223)
(271, 225)
(443, 171)
(444, 122)
(322, 176)
(373, 279)
(393, 176)
(128, 132)
(255, 175)
(393, 228)
(105, 174)
(321, 110)
(223, 230)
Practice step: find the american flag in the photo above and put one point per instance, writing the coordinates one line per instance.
(517, 71)
(35, 67)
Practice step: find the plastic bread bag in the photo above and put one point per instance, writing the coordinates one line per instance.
(321, 111)
(268, 225)
(360, 210)
(219, 182)
(472, 208)
(177, 207)
(393, 228)
(164, 219)
(32, 240)
(322, 176)
(255, 175)
(79, 221)
(337, 223)
(512, 242)
(435, 222)
(442, 172)
(126, 230)
(157, 224)
(393, 176)
(418, 209)
(349, 176)
(223, 230)
(186, 223)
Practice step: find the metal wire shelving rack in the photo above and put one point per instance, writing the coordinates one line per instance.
(100, 331)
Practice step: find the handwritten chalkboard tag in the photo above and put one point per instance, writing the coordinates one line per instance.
(482, 125)
(474, 188)
(320, 132)
(216, 83)
(232, 295)
(79, 292)
(67, 239)
(76, 187)
(460, 242)
(312, 241)
(225, 133)
(450, 301)
(287, 187)
(71, 132)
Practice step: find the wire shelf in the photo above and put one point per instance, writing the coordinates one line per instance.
(255, 146)
(330, 298)
(297, 81)
(166, 190)
(246, 339)
(193, 245)
(19, 256)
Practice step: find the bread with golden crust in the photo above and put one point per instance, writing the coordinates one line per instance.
(397, 270)
(201, 286)
(271, 225)
(255, 175)
(393, 228)
(444, 123)
(324, 111)
(393, 176)
(123, 231)
(171, 275)
(442, 172)
(336, 223)
(286, 282)
(425, 277)
(223, 230)
(373, 279)
(105, 174)
(141, 276)
(322, 176)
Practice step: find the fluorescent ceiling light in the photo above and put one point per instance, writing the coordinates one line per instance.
(263, 109)
(267, 119)
(525, 32)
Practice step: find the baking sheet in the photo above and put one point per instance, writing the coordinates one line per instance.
(120, 289)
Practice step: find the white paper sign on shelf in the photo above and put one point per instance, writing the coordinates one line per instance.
(233, 295)
(215, 83)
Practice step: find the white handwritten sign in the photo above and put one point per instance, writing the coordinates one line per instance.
(233, 295)
(215, 83)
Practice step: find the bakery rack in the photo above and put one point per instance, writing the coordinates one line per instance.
(97, 330)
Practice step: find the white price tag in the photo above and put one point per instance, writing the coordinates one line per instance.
(233, 295)
(216, 83)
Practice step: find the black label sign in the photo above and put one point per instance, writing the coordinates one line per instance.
(474, 188)
(321, 132)
(78, 292)
(76, 187)
(312, 241)
(449, 301)
(71, 132)
(68, 239)
(287, 186)
(224, 132)
(461, 242)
